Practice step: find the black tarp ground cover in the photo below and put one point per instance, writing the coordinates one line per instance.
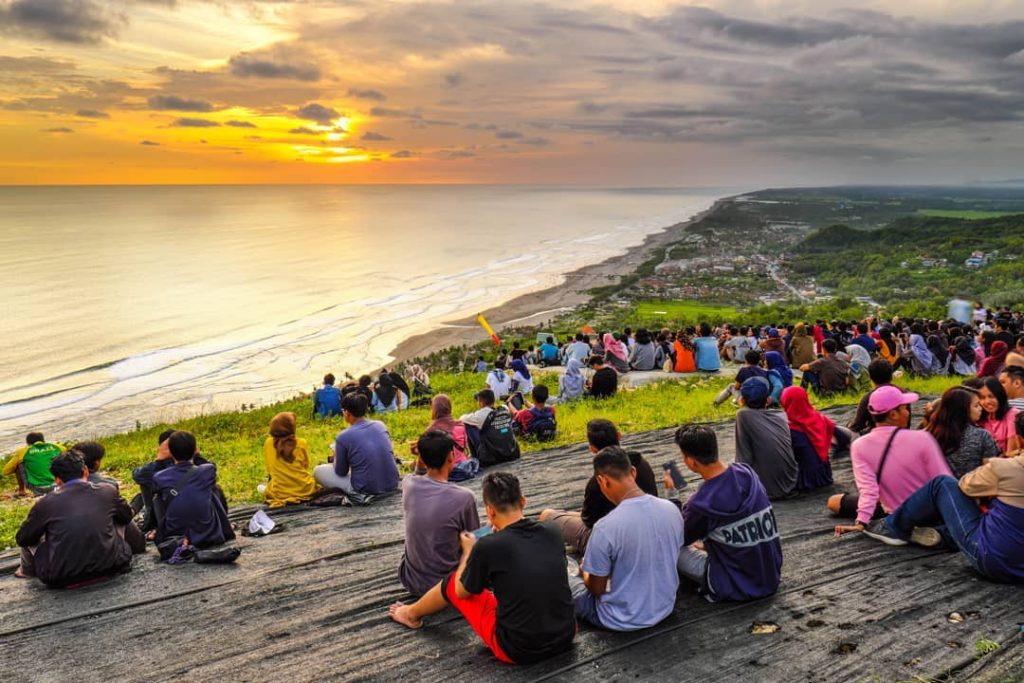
(310, 604)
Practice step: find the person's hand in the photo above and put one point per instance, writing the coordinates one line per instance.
(467, 540)
(698, 545)
(669, 484)
(163, 451)
(848, 528)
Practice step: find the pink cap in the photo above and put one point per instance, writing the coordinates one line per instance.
(886, 398)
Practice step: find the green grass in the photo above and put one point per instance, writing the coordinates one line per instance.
(684, 311)
(963, 215)
(234, 441)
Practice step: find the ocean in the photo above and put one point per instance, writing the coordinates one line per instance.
(129, 305)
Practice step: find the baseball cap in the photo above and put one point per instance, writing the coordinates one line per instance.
(773, 332)
(884, 399)
(755, 390)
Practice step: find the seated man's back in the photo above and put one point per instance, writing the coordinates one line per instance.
(194, 510)
(327, 401)
(364, 453)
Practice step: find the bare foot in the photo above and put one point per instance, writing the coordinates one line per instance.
(20, 574)
(400, 612)
(151, 536)
(22, 493)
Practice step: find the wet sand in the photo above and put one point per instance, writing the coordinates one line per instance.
(538, 307)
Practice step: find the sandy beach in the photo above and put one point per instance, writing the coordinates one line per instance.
(538, 307)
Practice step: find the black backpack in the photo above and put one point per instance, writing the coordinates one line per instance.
(497, 440)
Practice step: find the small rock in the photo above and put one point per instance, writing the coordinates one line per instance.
(955, 618)
(760, 628)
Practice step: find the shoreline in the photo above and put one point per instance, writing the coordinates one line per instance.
(534, 306)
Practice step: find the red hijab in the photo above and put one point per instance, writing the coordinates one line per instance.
(995, 361)
(805, 419)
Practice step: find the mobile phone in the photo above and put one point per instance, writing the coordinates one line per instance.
(516, 400)
(485, 530)
(677, 476)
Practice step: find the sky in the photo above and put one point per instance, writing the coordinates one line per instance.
(588, 92)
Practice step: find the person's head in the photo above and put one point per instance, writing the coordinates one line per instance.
(440, 407)
(752, 357)
(484, 398)
(993, 398)
(503, 497)
(540, 394)
(436, 449)
(596, 362)
(182, 446)
(282, 430)
(890, 406)
(68, 467)
(329, 380)
(754, 392)
(698, 446)
(354, 406)
(1012, 379)
(550, 340)
(92, 453)
(829, 346)
(34, 437)
(365, 380)
(880, 372)
(643, 336)
(862, 328)
(614, 473)
(705, 330)
(958, 408)
(602, 434)
(515, 345)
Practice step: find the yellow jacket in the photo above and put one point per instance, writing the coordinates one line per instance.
(290, 482)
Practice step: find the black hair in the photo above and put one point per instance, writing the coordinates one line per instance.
(862, 328)
(579, 336)
(705, 330)
(34, 437)
(1014, 372)
(329, 379)
(501, 491)
(698, 442)
(752, 357)
(485, 395)
(365, 380)
(880, 371)
(830, 345)
(643, 336)
(182, 446)
(613, 462)
(164, 435)
(434, 448)
(515, 345)
(997, 390)
(602, 433)
(551, 340)
(356, 404)
(67, 466)
(92, 452)
(595, 360)
(540, 393)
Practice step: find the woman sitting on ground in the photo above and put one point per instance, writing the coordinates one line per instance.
(983, 349)
(685, 359)
(420, 382)
(953, 424)
(998, 417)
(287, 460)
(644, 355)
(812, 435)
(465, 467)
(940, 352)
(571, 385)
(801, 347)
(922, 362)
(890, 348)
(859, 360)
(615, 353)
(386, 397)
(521, 380)
(779, 376)
(963, 357)
(996, 361)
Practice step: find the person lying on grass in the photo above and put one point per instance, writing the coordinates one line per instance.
(511, 586)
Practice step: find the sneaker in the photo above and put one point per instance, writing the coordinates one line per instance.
(880, 531)
(926, 536)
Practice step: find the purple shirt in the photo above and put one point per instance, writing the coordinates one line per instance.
(365, 450)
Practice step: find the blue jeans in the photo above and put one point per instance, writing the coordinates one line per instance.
(940, 503)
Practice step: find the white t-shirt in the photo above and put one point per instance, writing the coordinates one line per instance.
(499, 382)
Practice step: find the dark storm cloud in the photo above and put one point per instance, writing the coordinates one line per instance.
(63, 21)
(175, 103)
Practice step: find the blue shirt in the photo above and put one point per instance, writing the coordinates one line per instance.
(707, 357)
(641, 566)
(327, 401)
(365, 450)
(867, 342)
(548, 351)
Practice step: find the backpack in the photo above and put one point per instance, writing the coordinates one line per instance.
(497, 440)
(543, 426)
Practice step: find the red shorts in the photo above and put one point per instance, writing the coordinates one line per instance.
(481, 611)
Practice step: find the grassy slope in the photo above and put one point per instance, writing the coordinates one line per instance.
(235, 440)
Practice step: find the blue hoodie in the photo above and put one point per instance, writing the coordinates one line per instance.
(196, 511)
(732, 515)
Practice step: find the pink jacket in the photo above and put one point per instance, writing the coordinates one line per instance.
(1002, 430)
(914, 459)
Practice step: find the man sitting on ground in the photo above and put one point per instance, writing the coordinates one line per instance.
(1012, 379)
(889, 463)
(92, 453)
(536, 420)
(436, 512)
(499, 382)
(992, 540)
(511, 586)
(578, 349)
(576, 527)
(604, 382)
(144, 476)
(187, 503)
(880, 372)
(548, 352)
(364, 461)
(731, 517)
(629, 577)
(827, 375)
(763, 440)
(863, 339)
(78, 532)
(30, 465)
(489, 431)
(327, 399)
(751, 369)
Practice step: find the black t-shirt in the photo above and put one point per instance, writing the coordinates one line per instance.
(596, 506)
(524, 564)
(605, 382)
(517, 354)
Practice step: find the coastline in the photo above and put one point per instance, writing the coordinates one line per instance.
(540, 306)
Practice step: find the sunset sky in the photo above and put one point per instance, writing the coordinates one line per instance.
(649, 92)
